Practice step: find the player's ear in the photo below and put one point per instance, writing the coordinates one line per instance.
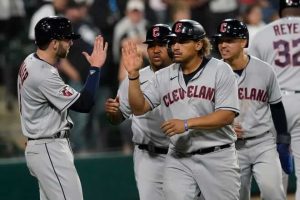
(199, 45)
(244, 43)
(55, 44)
(169, 50)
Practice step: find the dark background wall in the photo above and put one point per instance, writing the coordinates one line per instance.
(103, 177)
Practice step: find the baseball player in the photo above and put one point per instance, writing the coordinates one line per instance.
(151, 145)
(260, 101)
(198, 101)
(278, 44)
(44, 100)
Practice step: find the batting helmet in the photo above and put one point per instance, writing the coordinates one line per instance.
(186, 29)
(232, 28)
(54, 27)
(288, 4)
(158, 33)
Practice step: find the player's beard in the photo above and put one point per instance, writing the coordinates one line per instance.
(62, 52)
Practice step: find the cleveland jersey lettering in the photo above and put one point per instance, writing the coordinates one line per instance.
(193, 91)
(254, 94)
(255, 97)
(202, 95)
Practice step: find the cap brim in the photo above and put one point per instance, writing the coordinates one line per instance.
(217, 36)
(73, 36)
(156, 41)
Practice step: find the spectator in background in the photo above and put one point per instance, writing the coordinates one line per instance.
(12, 15)
(253, 19)
(105, 14)
(77, 12)
(200, 12)
(57, 7)
(269, 10)
(221, 10)
(133, 26)
(158, 11)
(113, 10)
(179, 10)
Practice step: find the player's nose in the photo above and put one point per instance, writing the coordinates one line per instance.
(222, 44)
(176, 45)
(157, 48)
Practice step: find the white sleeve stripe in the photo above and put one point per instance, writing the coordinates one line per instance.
(228, 108)
(276, 101)
(71, 102)
(149, 101)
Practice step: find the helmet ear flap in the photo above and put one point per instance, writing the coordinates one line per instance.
(170, 52)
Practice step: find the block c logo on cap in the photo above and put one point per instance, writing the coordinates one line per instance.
(223, 27)
(178, 28)
(155, 32)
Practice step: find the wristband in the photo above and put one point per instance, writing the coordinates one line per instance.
(186, 127)
(132, 79)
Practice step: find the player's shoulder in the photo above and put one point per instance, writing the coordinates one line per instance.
(259, 64)
(265, 31)
(215, 61)
(146, 70)
(217, 64)
(39, 67)
(146, 74)
(172, 68)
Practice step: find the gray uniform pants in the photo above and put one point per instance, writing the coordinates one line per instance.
(216, 174)
(51, 161)
(149, 172)
(292, 109)
(259, 158)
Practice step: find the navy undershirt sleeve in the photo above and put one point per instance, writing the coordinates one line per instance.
(86, 100)
(280, 122)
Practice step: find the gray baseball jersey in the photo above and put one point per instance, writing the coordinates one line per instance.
(148, 169)
(279, 44)
(258, 157)
(43, 99)
(146, 128)
(258, 87)
(214, 87)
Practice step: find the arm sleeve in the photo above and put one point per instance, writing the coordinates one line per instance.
(124, 102)
(226, 94)
(87, 98)
(280, 123)
(152, 90)
(274, 92)
(59, 94)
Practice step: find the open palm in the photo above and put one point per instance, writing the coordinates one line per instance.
(132, 60)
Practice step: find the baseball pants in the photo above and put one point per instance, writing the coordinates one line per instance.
(51, 161)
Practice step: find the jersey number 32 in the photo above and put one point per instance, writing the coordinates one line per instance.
(284, 56)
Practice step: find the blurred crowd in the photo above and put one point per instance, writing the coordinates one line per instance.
(118, 21)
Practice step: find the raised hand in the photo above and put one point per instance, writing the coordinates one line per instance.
(98, 56)
(132, 60)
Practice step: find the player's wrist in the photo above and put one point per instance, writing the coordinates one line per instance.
(133, 76)
(283, 138)
(186, 125)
